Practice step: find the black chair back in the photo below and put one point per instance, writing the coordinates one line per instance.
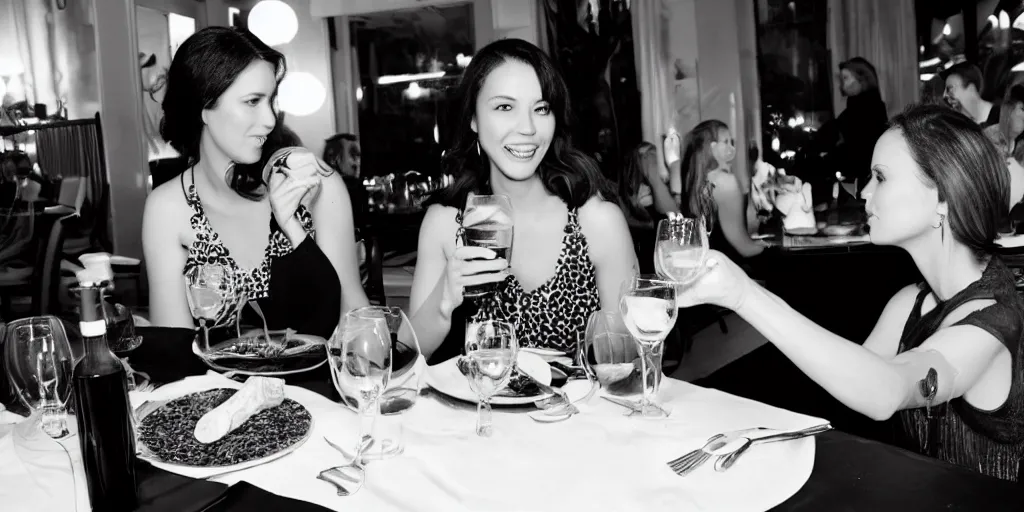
(374, 281)
(46, 274)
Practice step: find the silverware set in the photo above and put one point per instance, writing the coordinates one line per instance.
(728, 447)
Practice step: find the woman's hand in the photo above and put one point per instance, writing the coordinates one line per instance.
(468, 266)
(722, 283)
(285, 195)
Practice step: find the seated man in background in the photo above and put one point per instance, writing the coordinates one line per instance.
(342, 152)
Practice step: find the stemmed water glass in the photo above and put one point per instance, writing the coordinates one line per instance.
(360, 356)
(488, 223)
(649, 310)
(491, 350)
(408, 367)
(212, 291)
(681, 248)
(39, 363)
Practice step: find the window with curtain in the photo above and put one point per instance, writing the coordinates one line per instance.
(795, 71)
(406, 62)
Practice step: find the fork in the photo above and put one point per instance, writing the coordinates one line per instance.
(692, 460)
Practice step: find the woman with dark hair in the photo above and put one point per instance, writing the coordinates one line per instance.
(218, 113)
(938, 191)
(850, 138)
(571, 249)
(643, 196)
(711, 190)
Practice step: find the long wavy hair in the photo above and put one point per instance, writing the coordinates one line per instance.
(205, 65)
(697, 162)
(565, 171)
(633, 177)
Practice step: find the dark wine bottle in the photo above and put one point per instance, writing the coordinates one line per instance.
(103, 411)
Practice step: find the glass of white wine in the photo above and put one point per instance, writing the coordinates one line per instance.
(648, 306)
(681, 248)
(211, 292)
(491, 350)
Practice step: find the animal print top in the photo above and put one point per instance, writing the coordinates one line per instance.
(554, 315)
(208, 248)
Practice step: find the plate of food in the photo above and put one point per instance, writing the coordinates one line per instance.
(450, 379)
(284, 353)
(223, 428)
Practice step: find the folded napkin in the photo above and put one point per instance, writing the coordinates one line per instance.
(796, 205)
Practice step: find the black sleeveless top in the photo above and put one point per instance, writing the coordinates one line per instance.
(296, 287)
(552, 316)
(989, 442)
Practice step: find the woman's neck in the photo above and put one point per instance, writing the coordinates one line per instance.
(210, 175)
(527, 196)
(947, 268)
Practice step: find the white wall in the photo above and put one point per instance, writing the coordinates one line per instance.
(121, 117)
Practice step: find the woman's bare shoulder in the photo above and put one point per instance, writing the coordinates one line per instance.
(166, 208)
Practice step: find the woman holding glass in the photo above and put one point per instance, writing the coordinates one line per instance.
(712, 191)
(256, 234)
(571, 248)
(939, 191)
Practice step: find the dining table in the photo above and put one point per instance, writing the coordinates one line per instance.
(848, 473)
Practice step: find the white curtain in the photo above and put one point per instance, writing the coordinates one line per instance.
(883, 32)
(49, 55)
(651, 52)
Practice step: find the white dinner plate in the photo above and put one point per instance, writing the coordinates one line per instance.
(446, 378)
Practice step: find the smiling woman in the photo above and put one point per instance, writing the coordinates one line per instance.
(939, 191)
(218, 112)
(571, 247)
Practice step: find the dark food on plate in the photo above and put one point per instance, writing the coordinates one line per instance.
(519, 384)
(168, 431)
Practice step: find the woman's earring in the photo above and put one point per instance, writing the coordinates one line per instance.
(478, 148)
(942, 232)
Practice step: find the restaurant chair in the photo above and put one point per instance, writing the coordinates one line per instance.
(71, 200)
(373, 269)
(41, 281)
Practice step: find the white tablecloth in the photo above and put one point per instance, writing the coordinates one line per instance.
(598, 460)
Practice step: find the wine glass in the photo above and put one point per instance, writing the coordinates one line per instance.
(681, 248)
(39, 363)
(487, 222)
(408, 366)
(649, 310)
(211, 291)
(610, 354)
(359, 353)
(491, 350)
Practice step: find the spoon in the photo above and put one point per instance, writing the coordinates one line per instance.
(729, 456)
(347, 478)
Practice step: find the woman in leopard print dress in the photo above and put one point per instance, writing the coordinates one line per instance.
(571, 248)
(218, 114)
